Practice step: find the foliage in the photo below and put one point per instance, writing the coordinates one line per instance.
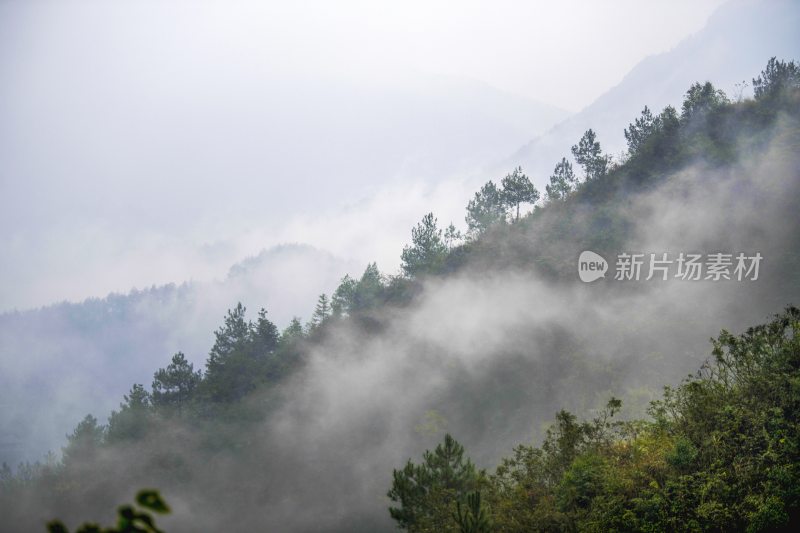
(240, 358)
(129, 519)
(486, 209)
(83, 443)
(562, 181)
(452, 236)
(358, 296)
(720, 452)
(293, 332)
(491, 204)
(590, 156)
(427, 250)
(427, 492)
(131, 421)
(321, 312)
(173, 387)
(642, 128)
(517, 190)
(776, 79)
(472, 518)
(701, 99)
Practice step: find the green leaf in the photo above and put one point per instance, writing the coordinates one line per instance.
(151, 499)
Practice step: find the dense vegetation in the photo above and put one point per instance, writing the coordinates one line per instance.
(719, 452)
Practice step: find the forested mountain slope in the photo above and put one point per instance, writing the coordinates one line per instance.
(486, 337)
(80, 356)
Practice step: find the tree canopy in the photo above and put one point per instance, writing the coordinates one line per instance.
(590, 156)
(517, 190)
(427, 250)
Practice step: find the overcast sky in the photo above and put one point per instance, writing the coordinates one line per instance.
(564, 53)
(155, 141)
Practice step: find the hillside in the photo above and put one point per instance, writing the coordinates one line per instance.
(299, 430)
(80, 356)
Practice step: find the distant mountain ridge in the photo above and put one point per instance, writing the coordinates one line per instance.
(737, 40)
(60, 361)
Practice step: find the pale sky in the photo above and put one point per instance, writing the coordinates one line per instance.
(563, 53)
(153, 141)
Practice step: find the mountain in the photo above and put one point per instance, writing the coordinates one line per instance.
(306, 430)
(727, 51)
(176, 172)
(59, 362)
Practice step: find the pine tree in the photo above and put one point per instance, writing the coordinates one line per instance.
(642, 128)
(131, 421)
(485, 209)
(701, 99)
(562, 181)
(357, 295)
(264, 336)
(237, 363)
(83, 442)
(343, 296)
(292, 332)
(518, 189)
(321, 313)
(174, 386)
(589, 156)
(473, 517)
(776, 78)
(232, 337)
(370, 289)
(425, 492)
(427, 250)
(451, 237)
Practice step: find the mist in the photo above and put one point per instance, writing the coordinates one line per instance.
(162, 161)
(488, 355)
(497, 354)
(162, 144)
(158, 142)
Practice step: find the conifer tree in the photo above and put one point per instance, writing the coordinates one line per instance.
(485, 209)
(131, 421)
(518, 189)
(321, 313)
(427, 250)
(174, 386)
(425, 492)
(589, 155)
(562, 181)
(642, 128)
